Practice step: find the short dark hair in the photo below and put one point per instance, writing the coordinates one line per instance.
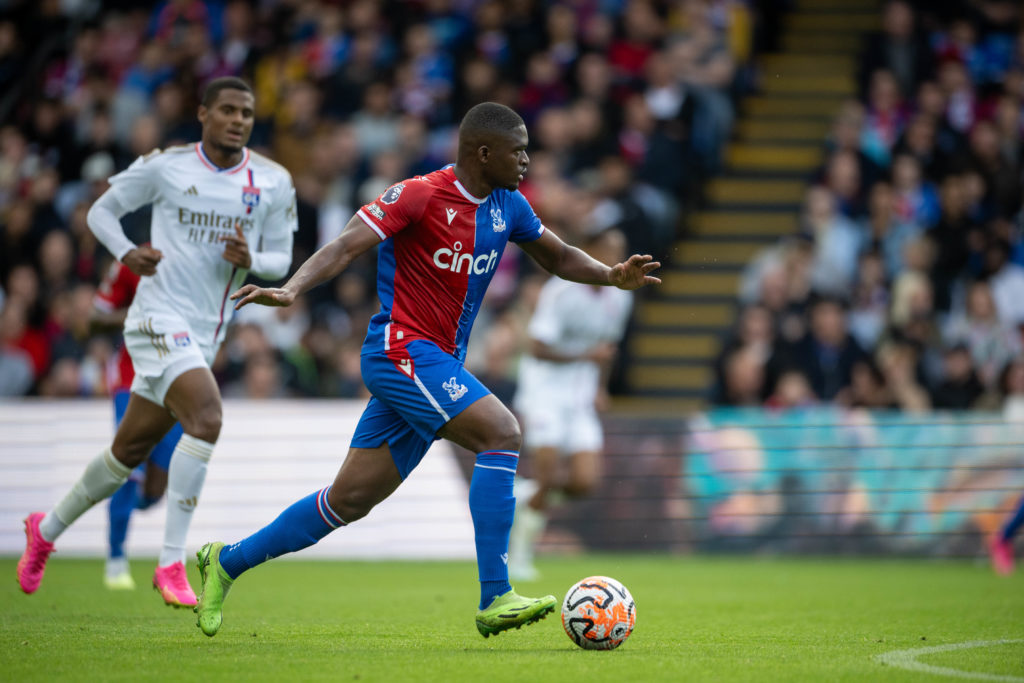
(487, 119)
(214, 87)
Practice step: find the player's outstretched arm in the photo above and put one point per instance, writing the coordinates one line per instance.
(570, 263)
(327, 263)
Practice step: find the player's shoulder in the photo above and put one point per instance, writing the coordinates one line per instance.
(264, 162)
(417, 188)
(160, 156)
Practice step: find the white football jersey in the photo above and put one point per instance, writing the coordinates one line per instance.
(571, 318)
(195, 205)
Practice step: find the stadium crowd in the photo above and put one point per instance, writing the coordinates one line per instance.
(628, 103)
(904, 288)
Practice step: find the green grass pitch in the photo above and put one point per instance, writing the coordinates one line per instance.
(698, 619)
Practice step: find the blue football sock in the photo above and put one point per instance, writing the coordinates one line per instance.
(492, 507)
(1015, 523)
(300, 526)
(121, 505)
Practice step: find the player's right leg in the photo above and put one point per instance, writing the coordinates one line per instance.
(367, 477)
(143, 425)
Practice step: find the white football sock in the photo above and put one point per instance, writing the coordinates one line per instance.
(102, 476)
(116, 566)
(184, 484)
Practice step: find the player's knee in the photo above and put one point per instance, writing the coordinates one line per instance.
(506, 435)
(130, 453)
(351, 504)
(204, 423)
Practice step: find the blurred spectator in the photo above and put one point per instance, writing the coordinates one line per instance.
(743, 379)
(837, 242)
(827, 353)
(755, 332)
(990, 340)
(900, 47)
(869, 307)
(960, 386)
(898, 361)
(1006, 280)
(886, 117)
(1011, 386)
(886, 231)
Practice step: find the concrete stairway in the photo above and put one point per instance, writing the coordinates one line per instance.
(777, 143)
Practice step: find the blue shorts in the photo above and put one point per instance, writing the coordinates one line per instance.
(161, 455)
(416, 391)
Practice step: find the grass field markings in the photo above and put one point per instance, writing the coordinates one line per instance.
(907, 659)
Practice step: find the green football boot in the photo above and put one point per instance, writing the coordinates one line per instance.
(512, 611)
(216, 584)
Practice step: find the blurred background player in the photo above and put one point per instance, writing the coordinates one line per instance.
(1001, 547)
(574, 336)
(210, 200)
(148, 481)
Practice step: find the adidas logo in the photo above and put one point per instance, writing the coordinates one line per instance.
(192, 191)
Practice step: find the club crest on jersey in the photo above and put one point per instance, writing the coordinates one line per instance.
(181, 339)
(250, 197)
(497, 221)
(454, 389)
(392, 194)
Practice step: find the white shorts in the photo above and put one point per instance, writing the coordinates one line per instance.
(162, 348)
(570, 429)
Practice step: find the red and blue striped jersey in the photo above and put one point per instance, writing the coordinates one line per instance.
(441, 247)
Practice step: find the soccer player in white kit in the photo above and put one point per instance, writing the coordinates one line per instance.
(213, 202)
(574, 334)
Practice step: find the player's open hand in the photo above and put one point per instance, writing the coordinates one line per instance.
(266, 296)
(142, 260)
(236, 249)
(633, 274)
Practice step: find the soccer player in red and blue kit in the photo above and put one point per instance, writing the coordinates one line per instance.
(440, 237)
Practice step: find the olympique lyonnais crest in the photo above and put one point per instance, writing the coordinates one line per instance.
(181, 339)
(497, 221)
(250, 197)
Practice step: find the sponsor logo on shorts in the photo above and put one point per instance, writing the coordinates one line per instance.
(454, 389)
(181, 339)
(376, 211)
(392, 194)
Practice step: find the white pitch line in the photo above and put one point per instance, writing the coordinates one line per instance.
(907, 659)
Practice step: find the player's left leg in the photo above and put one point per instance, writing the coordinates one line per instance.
(487, 428)
(193, 397)
(367, 477)
(1001, 547)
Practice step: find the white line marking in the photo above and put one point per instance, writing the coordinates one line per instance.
(907, 659)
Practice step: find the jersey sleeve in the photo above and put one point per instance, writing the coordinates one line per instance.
(117, 288)
(546, 324)
(527, 226)
(283, 216)
(401, 205)
(138, 184)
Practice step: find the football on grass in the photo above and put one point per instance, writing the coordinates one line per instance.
(598, 613)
